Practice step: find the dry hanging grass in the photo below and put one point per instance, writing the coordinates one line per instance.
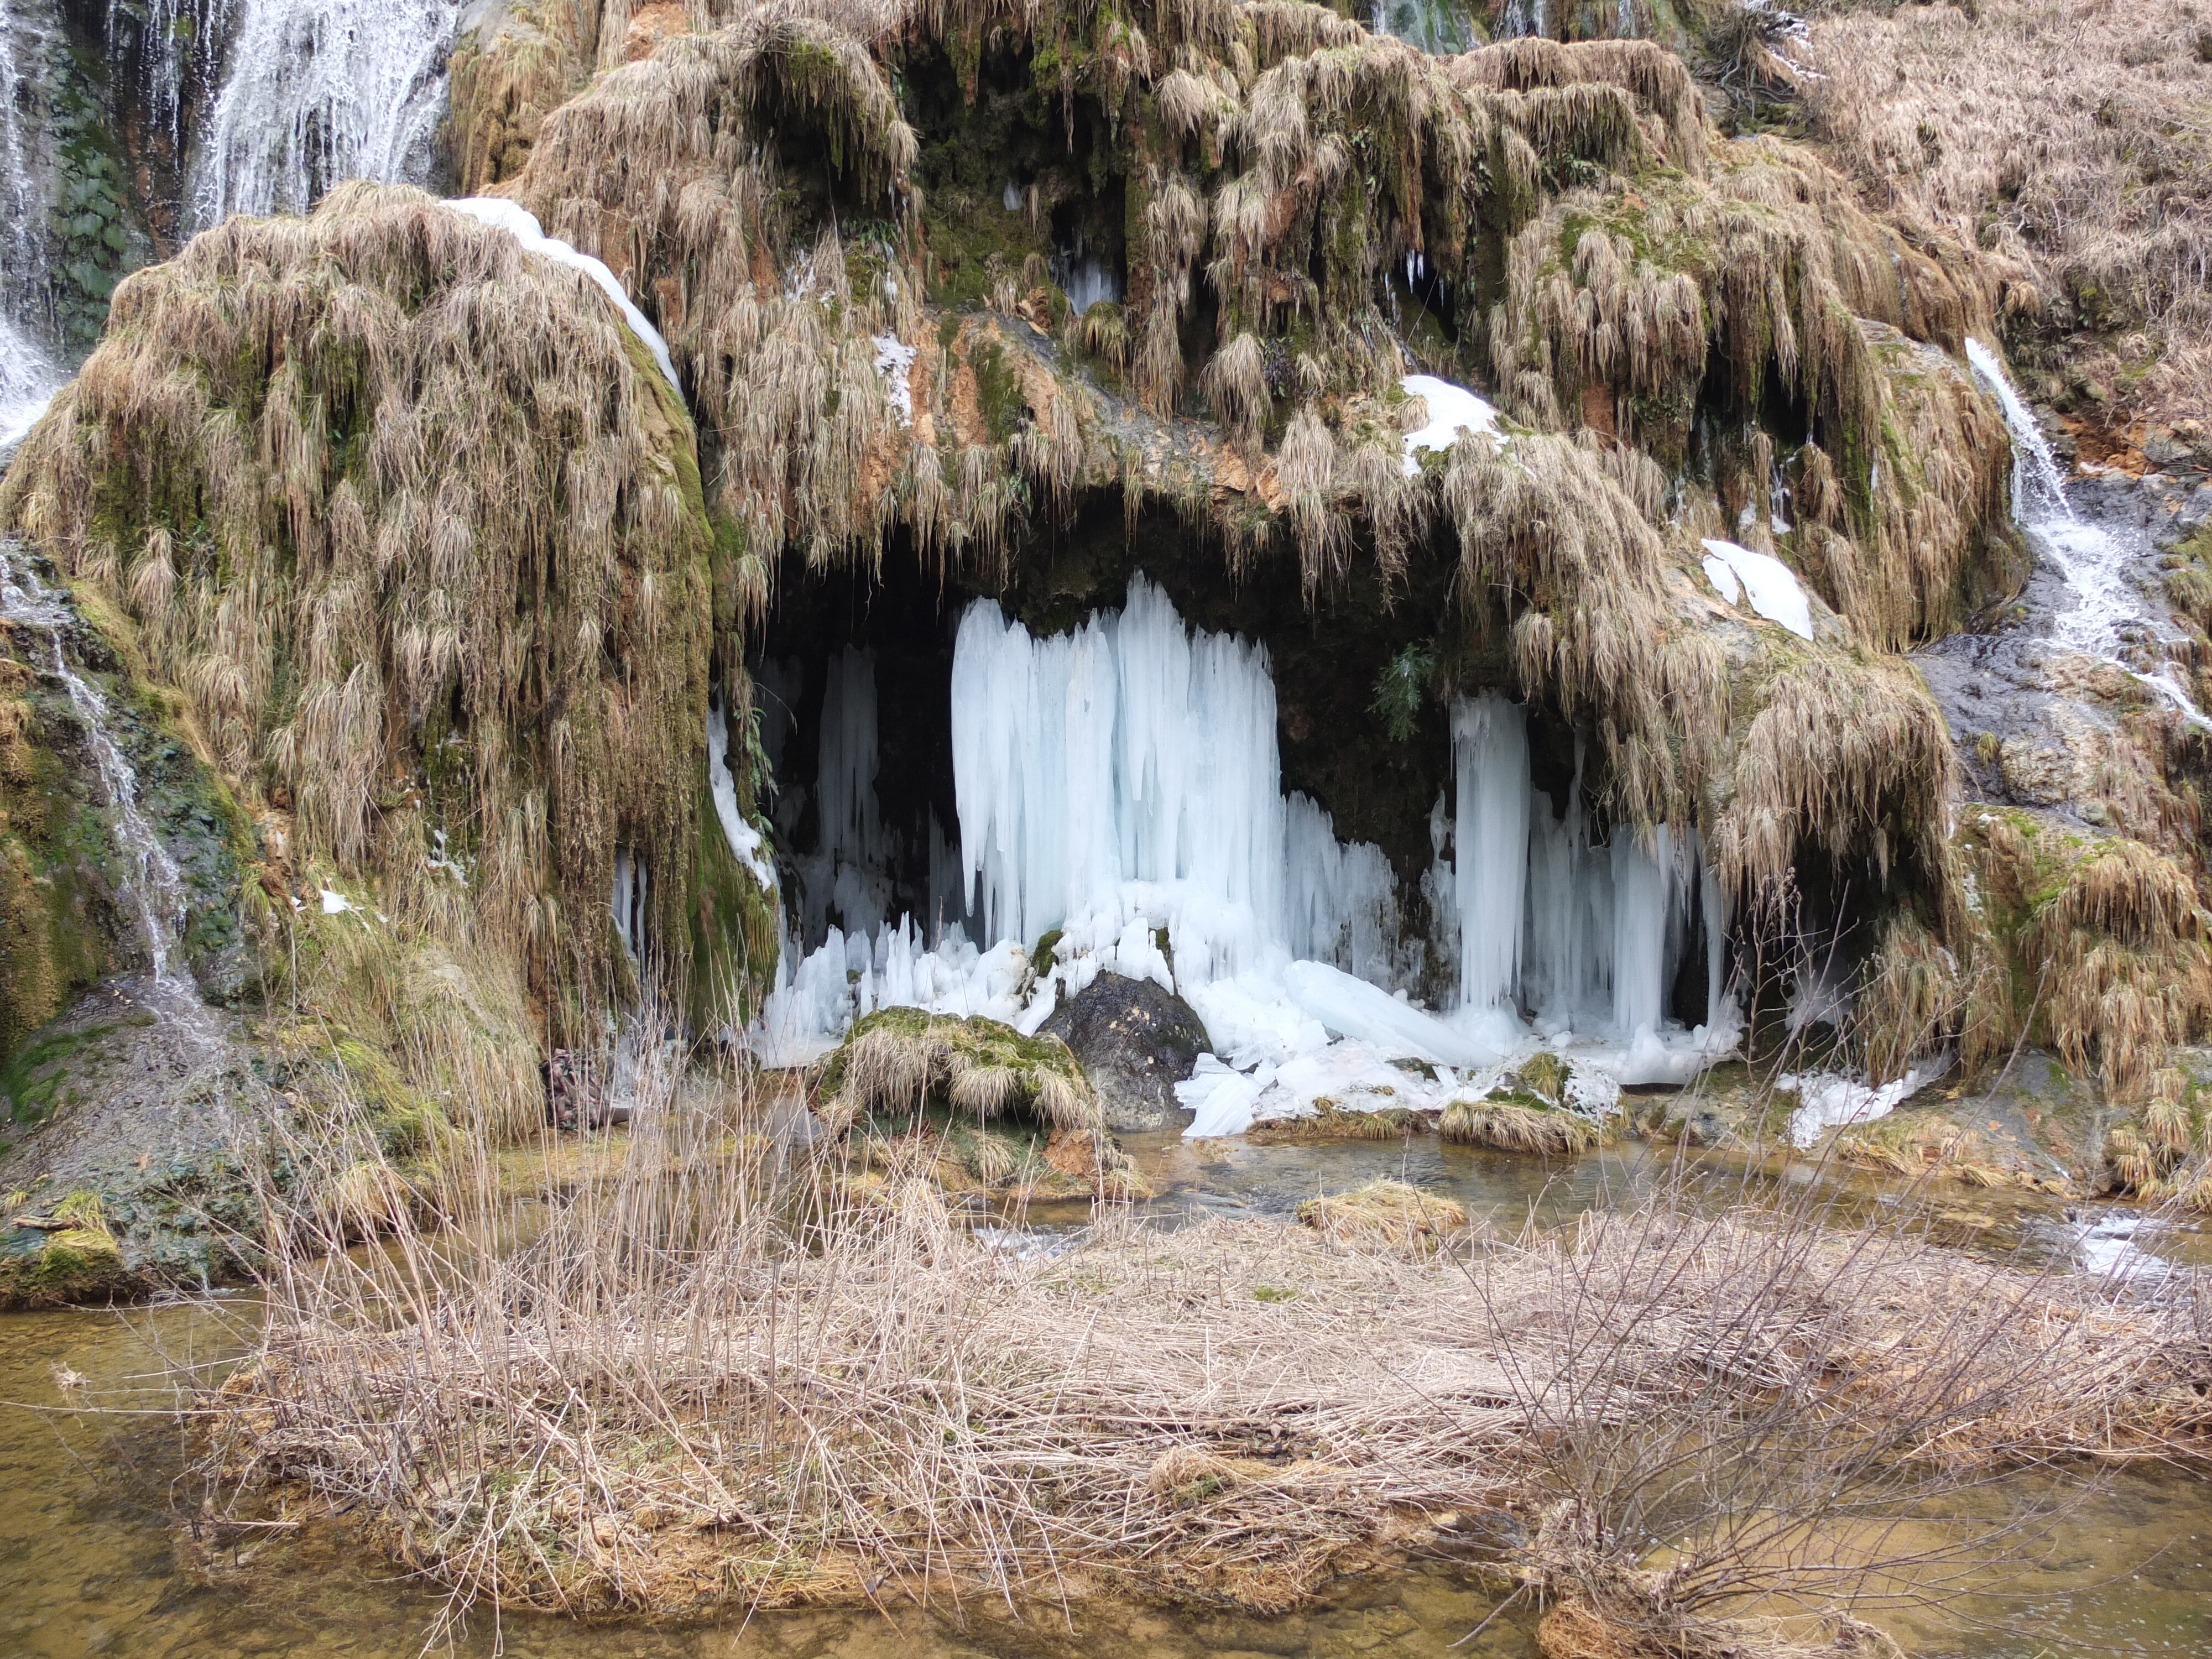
(689, 1383)
(2108, 947)
(390, 500)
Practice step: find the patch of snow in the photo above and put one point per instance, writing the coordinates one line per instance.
(1452, 409)
(1353, 1009)
(1827, 1100)
(1775, 592)
(522, 224)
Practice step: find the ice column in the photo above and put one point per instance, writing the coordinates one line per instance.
(1489, 753)
(1640, 913)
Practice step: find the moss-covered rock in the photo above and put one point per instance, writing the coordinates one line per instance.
(902, 1061)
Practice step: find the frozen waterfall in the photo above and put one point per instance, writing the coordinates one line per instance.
(317, 91)
(1589, 939)
(1119, 786)
(1120, 810)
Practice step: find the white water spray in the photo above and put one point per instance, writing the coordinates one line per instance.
(28, 373)
(318, 91)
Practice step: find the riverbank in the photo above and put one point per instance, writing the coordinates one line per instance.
(711, 1385)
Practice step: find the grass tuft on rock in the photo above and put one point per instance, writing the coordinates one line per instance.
(899, 1062)
(1518, 1124)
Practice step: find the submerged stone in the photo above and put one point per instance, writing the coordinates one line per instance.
(1135, 1042)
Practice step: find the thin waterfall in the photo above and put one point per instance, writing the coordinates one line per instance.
(28, 371)
(179, 48)
(157, 888)
(2104, 602)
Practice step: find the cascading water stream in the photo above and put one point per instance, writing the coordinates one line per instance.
(157, 889)
(2107, 605)
(318, 91)
(28, 373)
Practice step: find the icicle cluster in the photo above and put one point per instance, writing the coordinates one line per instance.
(1120, 810)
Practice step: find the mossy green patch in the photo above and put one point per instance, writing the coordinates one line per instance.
(34, 1079)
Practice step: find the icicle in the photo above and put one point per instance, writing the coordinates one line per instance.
(1639, 934)
(1129, 752)
(1490, 755)
(627, 903)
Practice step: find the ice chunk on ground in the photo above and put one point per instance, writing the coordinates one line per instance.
(1365, 1013)
(1775, 592)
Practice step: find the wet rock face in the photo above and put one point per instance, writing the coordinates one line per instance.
(1135, 1042)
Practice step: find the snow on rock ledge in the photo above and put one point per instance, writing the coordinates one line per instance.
(1773, 587)
(522, 224)
(1452, 409)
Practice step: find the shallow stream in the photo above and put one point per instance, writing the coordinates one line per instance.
(92, 1563)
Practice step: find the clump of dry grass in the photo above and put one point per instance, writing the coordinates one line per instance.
(896, 1062)
(1387, 1215)
(1333, 1122)
(1519, 1126)
(767, 1399)
(2069, 141)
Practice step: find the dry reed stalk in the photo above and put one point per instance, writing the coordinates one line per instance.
(698, 1381)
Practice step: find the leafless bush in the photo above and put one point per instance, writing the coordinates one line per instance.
(687, 1377)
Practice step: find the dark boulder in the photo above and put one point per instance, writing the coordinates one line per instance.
(1135, 1042)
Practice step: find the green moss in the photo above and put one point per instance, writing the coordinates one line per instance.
(998, 390)
(59, 1269)
(1041, 952)
(733, 927)
(33, 1078)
